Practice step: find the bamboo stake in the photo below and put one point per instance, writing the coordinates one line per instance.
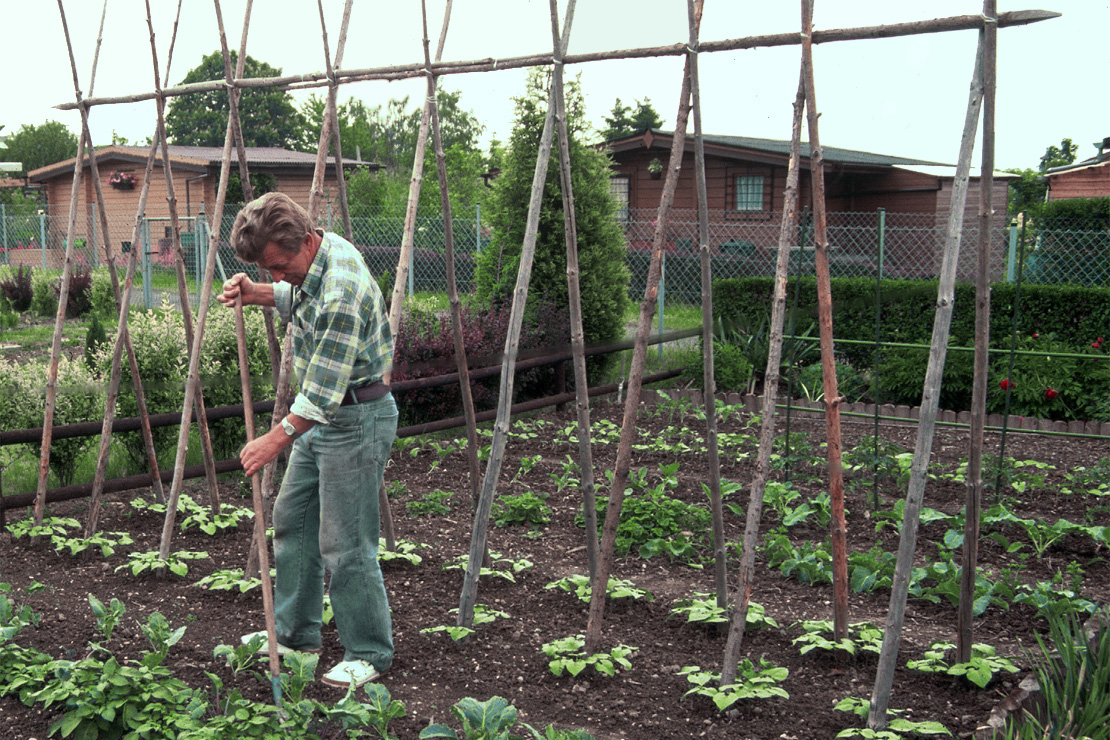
(892, 636)
(787, 231)
(449, 254)
(837, 526)
(401, 72)
(974, 489)
(337, 139)
(192, 381)
(636, 370)
(259, 506)
(574, 299)
(469, 593)
(136, 379)
(59, 319)
(720, 557)
(400, 280)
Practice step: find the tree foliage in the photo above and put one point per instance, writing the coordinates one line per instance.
(388, 134)
(38, 146)
(625, 121)
(603, 275)
(1028, 191)
(267, 115)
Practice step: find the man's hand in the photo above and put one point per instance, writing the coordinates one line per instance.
(235, 286)
(262, 450)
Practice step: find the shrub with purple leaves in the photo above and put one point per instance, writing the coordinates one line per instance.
(426, 348)
(16, 288)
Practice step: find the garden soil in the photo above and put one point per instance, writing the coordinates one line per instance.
(431, 673)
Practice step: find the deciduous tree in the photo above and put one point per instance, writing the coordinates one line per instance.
(268, 115)
(38, 146)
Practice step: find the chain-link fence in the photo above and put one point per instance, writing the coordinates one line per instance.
(861, 244)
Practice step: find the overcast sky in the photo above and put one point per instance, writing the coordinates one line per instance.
(904, 96)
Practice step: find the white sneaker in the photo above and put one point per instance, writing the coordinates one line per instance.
(351, 674)
(281, 649)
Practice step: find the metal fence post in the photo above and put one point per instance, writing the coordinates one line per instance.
(661, 299)
(95, 263)
(144, 245)
(477, 227)
(1011, 260)
(200, 248)
(4, 227)
(412, 262)
(42, 235)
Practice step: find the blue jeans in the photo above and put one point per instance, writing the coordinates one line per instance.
(326, 517)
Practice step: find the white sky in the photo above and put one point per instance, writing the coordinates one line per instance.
(904, 96)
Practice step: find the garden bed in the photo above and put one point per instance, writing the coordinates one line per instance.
(431, 673)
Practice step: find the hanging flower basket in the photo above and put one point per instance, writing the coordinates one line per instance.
(122, 180)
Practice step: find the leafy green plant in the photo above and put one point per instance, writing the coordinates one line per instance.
(809, 562)
(1074, 678)
(566, 477)
(433, 503)
(107, 617)
(568, 655)
(527, 509)
(499, 567)
(140, 562)
(579, 585)
(228, 518)
(489, 720)
(1094, 481)
(51, 526)
(106, 541)
(404, 552)
(980, 670)
(482, 615)
(896, 729)
(1050, 601)
(527, 463)
(229, 580)
(752, 682)
(863, 637)
(703, 609)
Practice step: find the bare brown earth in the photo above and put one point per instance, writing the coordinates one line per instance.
(431, 673)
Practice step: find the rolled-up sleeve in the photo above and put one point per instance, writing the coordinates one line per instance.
(283, 300)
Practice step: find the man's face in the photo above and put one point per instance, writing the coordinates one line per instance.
(292, 268)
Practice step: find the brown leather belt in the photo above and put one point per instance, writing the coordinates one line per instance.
(364, 393)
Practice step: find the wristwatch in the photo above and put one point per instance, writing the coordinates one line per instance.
(289, 429)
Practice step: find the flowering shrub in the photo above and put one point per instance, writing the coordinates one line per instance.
(23, 403)
(163, 358)
(1048, 386)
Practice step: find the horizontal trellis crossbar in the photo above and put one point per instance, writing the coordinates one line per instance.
(419, 69)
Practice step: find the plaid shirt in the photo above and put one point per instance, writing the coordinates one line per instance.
(341, 335)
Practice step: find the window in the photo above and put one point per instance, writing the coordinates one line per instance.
(619, 187)
(749, 192)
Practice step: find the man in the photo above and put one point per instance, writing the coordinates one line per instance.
(341, 425)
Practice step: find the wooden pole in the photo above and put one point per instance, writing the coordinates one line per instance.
(837, 526)
(720, 557)
(259, 506)
(469, 593)
(59, 319)
(892, 635)
(636, 370)
(788, 230)
(574, 299)
(974, 488)
(449, 258)
(332, 108)
(192, 381)
(401, 72)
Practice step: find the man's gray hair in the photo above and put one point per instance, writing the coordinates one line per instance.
(274, 217)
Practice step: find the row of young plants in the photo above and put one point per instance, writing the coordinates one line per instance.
(101, 695)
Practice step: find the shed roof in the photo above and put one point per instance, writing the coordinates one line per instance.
(778, 147)
(198, 158)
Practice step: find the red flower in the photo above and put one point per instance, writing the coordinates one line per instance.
(1096, 345)
(1006, 384)
(1099, 340)
(1035, 335)
(1050, 394)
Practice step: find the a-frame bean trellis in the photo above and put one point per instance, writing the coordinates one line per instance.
(555, 139)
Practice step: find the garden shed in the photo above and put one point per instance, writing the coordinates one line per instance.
(1089, 178)
(195, 168)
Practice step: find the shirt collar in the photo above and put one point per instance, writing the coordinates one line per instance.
(315, 277)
